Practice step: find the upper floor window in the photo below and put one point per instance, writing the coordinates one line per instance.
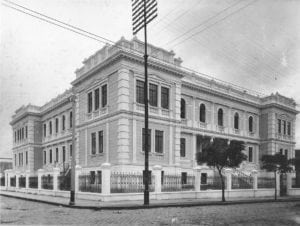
(182, 108)
(284, 127)
(64, 153)
(56, 155)
(56, 125)
(159, 141)
(279, 125)
(45, 130)
(289, 128)
(93, 143)
(236, 120)
(50, 156)
(220, 117)
(182, 147)
(250, 154)
(23, 133)
(165, 97)
(96, 99)
(90, 102)
(71, 119)
(100, 141)
(104, 95)
(45, 157)
(63, 122)
(50, 127)
(144, 140)
(153, 91)
(140, 92)
(202, 113)
(250, 121)
(26, 132)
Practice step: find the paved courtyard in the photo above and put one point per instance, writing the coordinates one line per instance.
(16, 212)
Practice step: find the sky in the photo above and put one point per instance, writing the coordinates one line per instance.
(254, 44)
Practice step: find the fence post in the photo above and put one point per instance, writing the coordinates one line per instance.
(17, 180)
(197, 171)
(278, 183)
(228, 179)
(8, 179)
(56, 172)
(254, 175)
(27, 179)
(157, 174)
(105, 183)
(288, 182)
(40, 174)
(77, 174)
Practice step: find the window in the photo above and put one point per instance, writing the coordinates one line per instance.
(19, 159)
(281, 151)
(182, 108)
(56, 155)
(92, 177)
(140, 91)
(99, 177)
(50, 127)
(250, 121)
(45, 157)
(71, 150)
(250, 154)
(162, 173)
(203, 178)
(284, 127)
(100, 141)
(26, 132)
(236, 120)
(182, 147)
(202, 113)
(279, 125)
(220, 117)
(289, 128)
(183, 177)
(63, 122)
(159, 141)
(56, 125)
(23, 133)
(26, 157)
(90, 102)
(96, 99)
(93, 143)
(50, 156)
(164, 97)
(15, 136)
(64, 153)
(45, 130)
(104, 95)
(149, 139)
(71, 119)
(153, 94)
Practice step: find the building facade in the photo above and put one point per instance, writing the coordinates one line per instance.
(183, 107)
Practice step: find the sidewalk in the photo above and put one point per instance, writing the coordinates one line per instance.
(97, 205)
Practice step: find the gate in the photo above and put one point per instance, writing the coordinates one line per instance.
(283, 191)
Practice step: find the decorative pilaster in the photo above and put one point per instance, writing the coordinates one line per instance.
(177, 100)
(157, 174)
(177, 145)
(106, 171)
(123, 140)
(123, 89)
(27, 175)
(194, 151)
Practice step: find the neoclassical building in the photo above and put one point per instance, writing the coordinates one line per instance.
(183, 107)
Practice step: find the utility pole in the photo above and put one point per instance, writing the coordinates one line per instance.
(73, 159)
(143, 12)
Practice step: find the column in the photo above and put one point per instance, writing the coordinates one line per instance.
(40, 174)
(105, 183)
(56, 172)
(27, 175)
(194, 151)
(197, 172)
(157, 175)
(254, 175)
(78, 169)
(228, 179)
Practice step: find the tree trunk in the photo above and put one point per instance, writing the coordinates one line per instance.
(223, 186)
(275, 186)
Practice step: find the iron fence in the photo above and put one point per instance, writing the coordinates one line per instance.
(172, 183)
(64, 182)
(265, 182)
(241, 182)
(128, 183)
(13, 181)
(2, 181)
(33, 182)
(47, 182)
(22, 182)
(213, 183)
(90, 183)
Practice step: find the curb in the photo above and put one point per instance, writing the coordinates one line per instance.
(152, 206)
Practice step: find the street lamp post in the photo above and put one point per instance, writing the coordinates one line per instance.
(73, 159)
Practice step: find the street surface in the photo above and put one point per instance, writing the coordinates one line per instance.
(15, 212)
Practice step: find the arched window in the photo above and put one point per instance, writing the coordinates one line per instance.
(236, 120)
(250, 120)
(220, 117)
(182, 108)
(202, 113)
